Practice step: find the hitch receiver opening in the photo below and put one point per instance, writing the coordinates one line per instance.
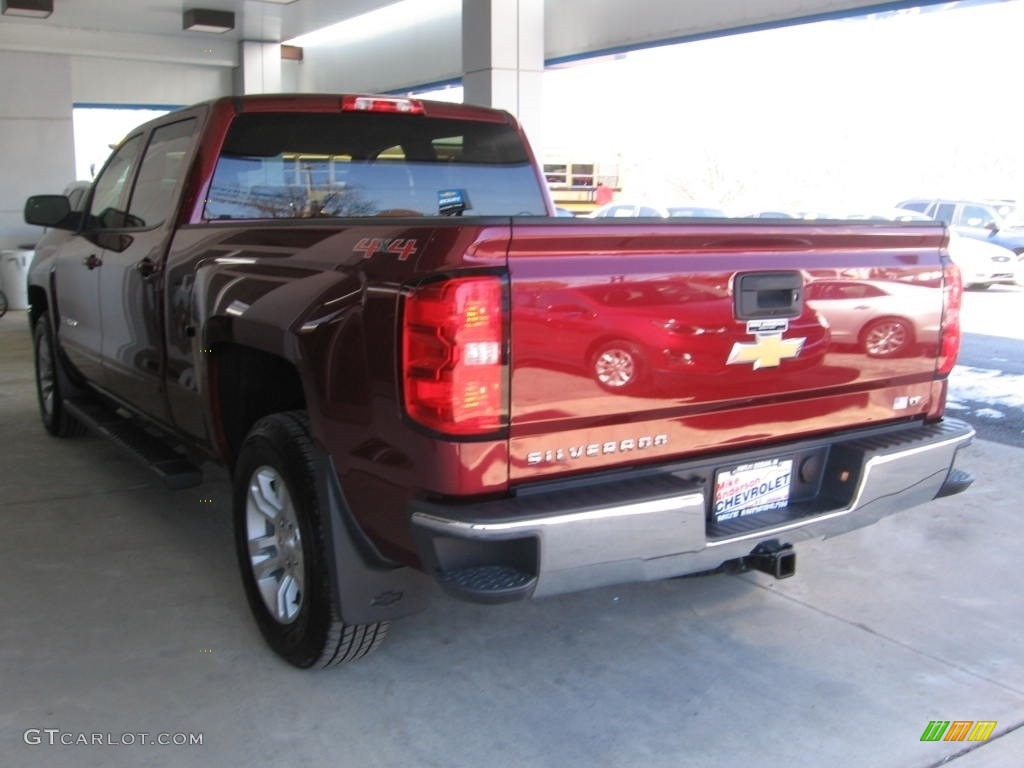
(771, 557)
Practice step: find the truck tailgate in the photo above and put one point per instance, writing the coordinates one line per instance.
(637, 342)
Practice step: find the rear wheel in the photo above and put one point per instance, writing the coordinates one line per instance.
(282, 549)
(887, 337)
(50, 384)
(3, 303)
(617, 366)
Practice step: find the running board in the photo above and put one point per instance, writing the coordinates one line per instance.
(173, 468)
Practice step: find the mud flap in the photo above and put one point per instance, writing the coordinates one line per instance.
(366, 588)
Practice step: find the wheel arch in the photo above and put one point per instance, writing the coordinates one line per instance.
(247, 383)
(884, 319)
(38, 303)
(610, 338)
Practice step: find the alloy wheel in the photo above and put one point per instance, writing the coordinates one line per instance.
(275, 544)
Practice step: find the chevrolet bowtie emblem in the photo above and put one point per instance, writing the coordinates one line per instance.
(768, 351)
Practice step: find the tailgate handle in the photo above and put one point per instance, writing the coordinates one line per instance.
(768, 294)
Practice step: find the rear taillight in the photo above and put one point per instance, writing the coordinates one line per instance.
(952, 295)
(453, 356)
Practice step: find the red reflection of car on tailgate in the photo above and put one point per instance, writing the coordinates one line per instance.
(627, 335)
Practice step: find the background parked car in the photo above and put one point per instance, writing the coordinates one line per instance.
(688, 210)
(77, 193)
(983, 263)
(979, 219)
(618, 210)
(621, 209)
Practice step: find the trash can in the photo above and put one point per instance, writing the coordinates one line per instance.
(14, 266)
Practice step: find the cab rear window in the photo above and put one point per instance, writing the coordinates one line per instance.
(285, 166)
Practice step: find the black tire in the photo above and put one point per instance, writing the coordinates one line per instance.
(51, 383)
(275, 504)
(618, 366)
(3, 303)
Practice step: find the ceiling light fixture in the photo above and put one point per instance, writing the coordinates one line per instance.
(37, 9)
(205, 20)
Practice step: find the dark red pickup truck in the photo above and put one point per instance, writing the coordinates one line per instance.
(363, 307)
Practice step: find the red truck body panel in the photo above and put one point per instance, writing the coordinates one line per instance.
(667, 292)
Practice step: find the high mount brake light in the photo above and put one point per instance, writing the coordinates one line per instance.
(381, 104)
(952, 295)
(453, 368)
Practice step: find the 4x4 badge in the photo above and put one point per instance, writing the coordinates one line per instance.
(768, 351)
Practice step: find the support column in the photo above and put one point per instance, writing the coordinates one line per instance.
(503, 58)
(259, 68)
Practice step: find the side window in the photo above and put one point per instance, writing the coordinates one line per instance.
(915, 205)
(160, 174)
(975, 216)
(396, 152)
(944, 212)
(111, 189)
(76, 198)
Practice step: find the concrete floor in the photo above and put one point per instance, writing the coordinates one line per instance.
(122, 614)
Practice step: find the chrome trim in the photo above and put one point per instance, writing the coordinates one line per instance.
(627, 510)
(665, 536)
(768, 533)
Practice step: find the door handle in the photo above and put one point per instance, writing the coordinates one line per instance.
(92, 261)
(146, 267)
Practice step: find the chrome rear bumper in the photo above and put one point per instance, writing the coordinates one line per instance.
(654, 523)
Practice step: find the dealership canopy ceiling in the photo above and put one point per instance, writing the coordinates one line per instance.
(154, 30)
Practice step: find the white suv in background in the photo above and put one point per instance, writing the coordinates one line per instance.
(990, 220)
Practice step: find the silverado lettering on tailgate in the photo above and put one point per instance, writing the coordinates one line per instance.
(585, 450)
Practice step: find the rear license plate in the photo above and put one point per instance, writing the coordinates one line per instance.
(751, 488)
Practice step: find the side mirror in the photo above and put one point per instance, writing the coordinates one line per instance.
(50, 211)
(992, 226)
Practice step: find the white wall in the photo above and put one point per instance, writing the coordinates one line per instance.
(36, 129)
(116, 81)
(36, 137)
(428, 52)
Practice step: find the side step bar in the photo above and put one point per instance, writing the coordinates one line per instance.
(173, 468)
(488, 583)
(959, 480)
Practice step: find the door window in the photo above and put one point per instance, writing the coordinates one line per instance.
(975, 216)
(915, 205)
(162, 169)
(111, 190)
(944, 212)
